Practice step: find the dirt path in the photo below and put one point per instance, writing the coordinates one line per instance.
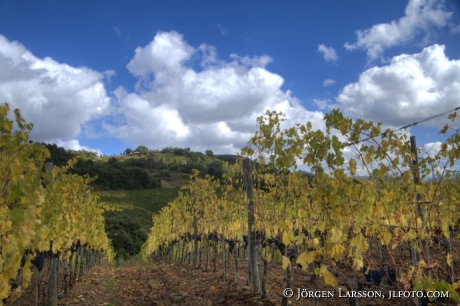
(181, 285)
(161, 284)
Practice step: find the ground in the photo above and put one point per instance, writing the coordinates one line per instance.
(179, 284)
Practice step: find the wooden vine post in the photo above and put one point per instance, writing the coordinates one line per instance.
(420, 209)
(54, 260)
(252, 245)
(196, 250)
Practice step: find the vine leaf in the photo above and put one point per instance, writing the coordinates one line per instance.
(286, 263)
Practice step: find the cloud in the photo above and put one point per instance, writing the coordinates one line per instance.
(214, 108)
(455, 29)
(74, 144)
(431, 148)
(255, 61)
(328, 82)
(56, 97)
(117, 31)
(109, 74)
(162, 57)
(329, 53)
(412, 87)
(222, 30)
(421, 16)
(322, 104)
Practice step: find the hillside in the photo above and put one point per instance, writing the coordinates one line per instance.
(141, 168)
(137, 184)
(129, 223)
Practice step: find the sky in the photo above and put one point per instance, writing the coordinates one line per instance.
(109, 75)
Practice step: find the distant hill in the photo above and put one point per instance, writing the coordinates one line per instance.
(137, 184)
(141, 168)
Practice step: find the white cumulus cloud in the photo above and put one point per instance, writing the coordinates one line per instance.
(57, 98)
(328, 53)
(214, 108)
(328, 82)
(74, 144)
(109, 74)
(322, 104)
(412, 87)
(421, 16)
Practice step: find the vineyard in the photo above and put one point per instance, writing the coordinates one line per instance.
(383, 220)
(377, 217)
(51, 225)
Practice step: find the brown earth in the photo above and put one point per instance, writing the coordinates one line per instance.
(178, 284)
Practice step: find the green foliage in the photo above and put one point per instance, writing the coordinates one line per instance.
(114, 174)
(136, 172)
(129, 221)
(143, 150)
(209, 153)
(126, 234)
(231, 159)
(58, 155)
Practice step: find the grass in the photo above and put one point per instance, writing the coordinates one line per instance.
(139, 205)
(111, 283)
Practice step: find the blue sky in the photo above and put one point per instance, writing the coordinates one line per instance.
(108, 75)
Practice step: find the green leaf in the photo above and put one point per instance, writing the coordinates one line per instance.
(17, 215)
(278, 256)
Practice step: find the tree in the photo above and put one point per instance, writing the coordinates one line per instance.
(143, 150)
(128, 152)
(209, 153)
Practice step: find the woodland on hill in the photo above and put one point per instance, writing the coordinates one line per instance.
(139, 182)
(138, 169)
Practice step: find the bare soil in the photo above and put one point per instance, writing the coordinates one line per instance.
(179, 284)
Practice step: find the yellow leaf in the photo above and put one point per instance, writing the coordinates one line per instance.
(449, 259)
(386, 238)
(315, 241)
(15, 172)
(411, 234)
(281, 225)
(26, 273)
(4, 286)
(352, 166)
(355, 241)
(286, 263)
(329, 279)
(299, 239)
(286, 238)
(336, 235)
(337, 251)
(445, 230)
(307, 258)
(357, 264)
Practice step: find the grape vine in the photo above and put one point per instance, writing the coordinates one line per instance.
(43, 214)
(363, 222)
